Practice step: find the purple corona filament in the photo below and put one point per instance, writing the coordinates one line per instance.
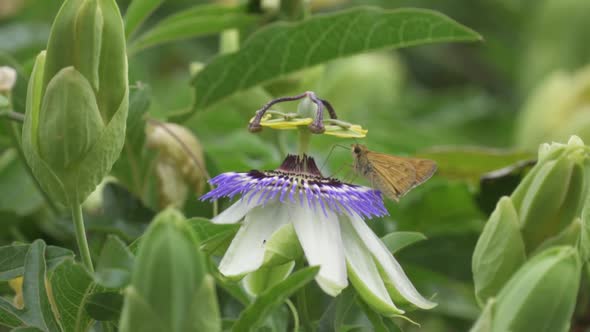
(299, 179)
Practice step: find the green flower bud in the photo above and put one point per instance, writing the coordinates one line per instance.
(77, 100)
(499, 251)
(168, 279)
(570, 236)
(551, 196)
(541, 296)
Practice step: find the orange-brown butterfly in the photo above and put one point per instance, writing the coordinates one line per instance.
(393, 175)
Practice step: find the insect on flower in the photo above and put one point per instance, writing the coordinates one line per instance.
(328, 219)
(393, 175)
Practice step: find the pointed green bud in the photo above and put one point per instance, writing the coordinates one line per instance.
(499, 251)
(168, 275)
(550, 197)
(541, 296)
(66, 94)
(77, 100)
(570, 236)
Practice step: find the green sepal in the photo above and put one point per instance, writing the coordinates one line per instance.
(69, 121)
(543, 200)
(282, 247)
(265, 277)
(569, 236)
(89, 26)
(499, 251)
(46, 177)
(541, 296)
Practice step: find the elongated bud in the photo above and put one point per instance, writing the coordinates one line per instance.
(499, 251)
(550, 197)
(168, 279)
(77, 100)
(541, 296)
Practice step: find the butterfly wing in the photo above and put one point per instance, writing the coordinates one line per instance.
(425, 168)
(394, 176)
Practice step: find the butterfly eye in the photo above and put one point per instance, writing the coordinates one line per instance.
(357, 150)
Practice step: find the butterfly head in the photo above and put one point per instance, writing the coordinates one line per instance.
(358, 149)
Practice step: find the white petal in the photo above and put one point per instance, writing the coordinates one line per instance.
(363, 272)
(385, 259)
(246, 251)
(236, 211)
(321, 241)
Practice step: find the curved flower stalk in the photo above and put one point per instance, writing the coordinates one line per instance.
(327, 217)
(310, 115)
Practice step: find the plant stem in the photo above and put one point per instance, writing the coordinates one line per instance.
(295, 315)
(81, 236)
(304, 136)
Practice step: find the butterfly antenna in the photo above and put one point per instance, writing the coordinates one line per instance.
(330, 153)
(340, 169)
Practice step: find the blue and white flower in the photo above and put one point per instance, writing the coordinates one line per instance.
(327, 217)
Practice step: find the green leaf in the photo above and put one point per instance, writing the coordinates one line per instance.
(13, 174)
(71, 286)
(137, 12)
(9, 315)
(115, 263)
(396, 241)
(105, 306)
(12, 259)
(255, 313)
(470, 163)
(193, 22)
(338, 311)
(139, 103)
(285, 48)
(37, 311)
(124, 214)
(214, 237)
(379, 323)
(131, 168)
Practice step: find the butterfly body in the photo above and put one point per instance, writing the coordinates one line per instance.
(394, 176)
